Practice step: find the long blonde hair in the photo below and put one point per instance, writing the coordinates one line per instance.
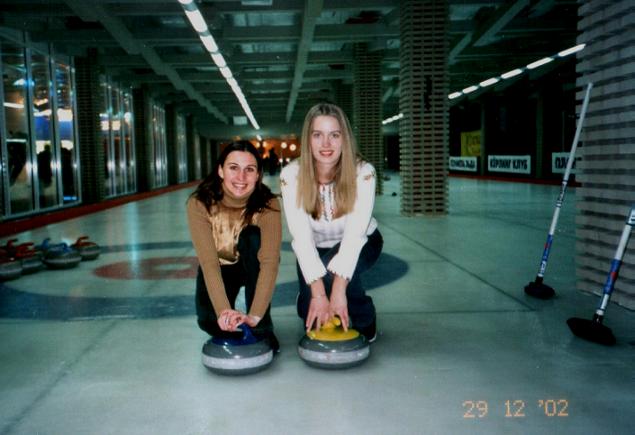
(345, 171)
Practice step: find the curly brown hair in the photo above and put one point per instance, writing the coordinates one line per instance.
(210, 191)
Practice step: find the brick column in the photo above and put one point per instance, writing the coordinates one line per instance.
(92, 154)
(144, 154)
(424, 136)
(344, 97)
(367, 107)
(194, 160)
(170, 144)
(608, 155)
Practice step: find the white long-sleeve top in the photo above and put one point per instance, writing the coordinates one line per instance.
(351, 230)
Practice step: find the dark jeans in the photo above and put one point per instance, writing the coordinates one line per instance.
(361, 309)
(243, 273)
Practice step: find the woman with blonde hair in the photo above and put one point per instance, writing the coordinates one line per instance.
(328, 195)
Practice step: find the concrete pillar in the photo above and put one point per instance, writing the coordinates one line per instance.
(367, 107)
(344, 97)
(91, 151)
(144, 155)
(194, 158)
(424, 129)
(606, 170)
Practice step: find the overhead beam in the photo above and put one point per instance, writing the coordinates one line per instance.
(506, 13)
(118, 30)
(312, 10)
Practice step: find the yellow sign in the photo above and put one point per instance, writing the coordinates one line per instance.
(471, 143)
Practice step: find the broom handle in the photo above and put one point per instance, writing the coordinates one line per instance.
(563, 188)
(616, 263)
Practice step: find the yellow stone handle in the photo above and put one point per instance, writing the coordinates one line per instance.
(332, 331)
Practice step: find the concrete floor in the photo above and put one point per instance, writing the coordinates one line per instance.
(111, 347)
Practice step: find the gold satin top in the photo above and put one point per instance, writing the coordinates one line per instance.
(227, 223)
(221, 227)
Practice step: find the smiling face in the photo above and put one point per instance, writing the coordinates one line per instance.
(239, 174)
(326, 141)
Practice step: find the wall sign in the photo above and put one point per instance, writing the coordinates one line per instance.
(510, 164)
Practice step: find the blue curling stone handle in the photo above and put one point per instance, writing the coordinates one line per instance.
(248, 337)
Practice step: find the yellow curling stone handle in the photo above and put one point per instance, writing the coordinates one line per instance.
(333, 331)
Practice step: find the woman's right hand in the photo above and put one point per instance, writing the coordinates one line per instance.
(319, 307)
(229, 319)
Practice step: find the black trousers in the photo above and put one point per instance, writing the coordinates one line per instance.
(243, 273)
(361, 309)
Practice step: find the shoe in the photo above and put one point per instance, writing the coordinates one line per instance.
(273, 342)
(370, 332)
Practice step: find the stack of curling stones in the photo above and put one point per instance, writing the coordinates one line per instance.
(333, 348)
(237, 356)
(22, 259)
(16, 260)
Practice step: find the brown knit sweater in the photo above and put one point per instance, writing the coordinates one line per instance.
(204, 229)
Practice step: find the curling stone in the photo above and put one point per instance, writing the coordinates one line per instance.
(59, 256)
(88, 250)
(30, 258)
(237, 356)
(10, 268)
(333, 348)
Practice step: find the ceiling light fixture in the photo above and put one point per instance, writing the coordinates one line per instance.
(195, 18)
(512, 73)
(489, 82)
(392, 119)
(518, 71)
(541, 62)
(571, 50)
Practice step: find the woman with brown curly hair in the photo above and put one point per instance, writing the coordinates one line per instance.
(235, 225)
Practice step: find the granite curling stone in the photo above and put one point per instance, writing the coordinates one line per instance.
(237, 356)
(333, 348)
(59, 256)
(88, 250)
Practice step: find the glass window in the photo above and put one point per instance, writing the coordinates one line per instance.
(104, 119)
(117, 155)
(44, 137)
(181, 144)
(19, 171)
(160, 151)
(128, 138)
(66, 122)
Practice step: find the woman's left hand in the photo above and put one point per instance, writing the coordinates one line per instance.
(229, 320)
(250, 320)
(338, 303)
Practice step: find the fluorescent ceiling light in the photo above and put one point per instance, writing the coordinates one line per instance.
(209, 43)
(197, 20)
(226, 72)
(571, 50)
(540, 62)
(489, 82)
(219, 60)
(470, 89)
(198, 23)
(512, 73)
(454, 95)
